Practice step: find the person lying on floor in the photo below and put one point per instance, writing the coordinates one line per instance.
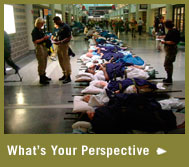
(128, 112)
(99, 74)
(130, 58)
(121, 69)
(92, 53)
(134, 85)
(95, 53)
(126, 86)
(89, 57)
(121, 56)
(95, 87)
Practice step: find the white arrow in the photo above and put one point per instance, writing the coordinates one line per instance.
(160, 151)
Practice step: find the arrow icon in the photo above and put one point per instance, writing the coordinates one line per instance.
(160, 151)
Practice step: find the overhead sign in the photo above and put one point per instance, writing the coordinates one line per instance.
(47, 12)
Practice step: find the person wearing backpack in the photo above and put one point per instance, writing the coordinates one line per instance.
(170, 42)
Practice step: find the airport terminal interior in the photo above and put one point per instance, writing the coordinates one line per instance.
(127, 73)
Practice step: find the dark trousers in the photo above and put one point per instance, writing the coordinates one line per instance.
(171, 52)
(140, 30)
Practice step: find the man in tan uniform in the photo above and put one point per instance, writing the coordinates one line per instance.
(63, 39)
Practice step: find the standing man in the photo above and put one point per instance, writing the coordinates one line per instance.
(140, 24)
(63, 39)
(171, 40)
(126, 26)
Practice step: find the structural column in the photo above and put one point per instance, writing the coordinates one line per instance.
(63, 12)
(120, 12)
(148, 17)
(124, 14)
(169, 12)
(30, 25)
(74, 12)
(129, 14)
(51, 17)
(69, 14)
(77, 14)
(137, 12)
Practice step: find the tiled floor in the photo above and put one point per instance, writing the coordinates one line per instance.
(32, 108)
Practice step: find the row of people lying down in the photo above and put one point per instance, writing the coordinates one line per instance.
(99, 37)
(127, 112)
(109, 71)
(99, 91)
(99, 73)
(101, 53)
(100, 116)
(102, 37)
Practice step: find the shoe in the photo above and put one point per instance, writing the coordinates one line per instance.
(168, 81)
(43, 80)
(17, 69)
(47, 78)
(62, 78)
(73, 54)
(53, 58)
(67, 80)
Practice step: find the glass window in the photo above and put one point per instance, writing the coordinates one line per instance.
(182, 19)
(9, 21)
(175, 16)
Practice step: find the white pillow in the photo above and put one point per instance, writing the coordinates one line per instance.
(85, 59)
(80, 105)
(83, 79)
(92, 90)
(84, 74)
(98, 83)
(82, 125)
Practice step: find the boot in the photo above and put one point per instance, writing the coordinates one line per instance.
(68, 79)
(47, 78)
(43, 80)
(62, 78)
(169, 79)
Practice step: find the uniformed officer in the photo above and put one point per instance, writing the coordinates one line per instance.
(63, 39)
(39, 39)
(171, 40)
